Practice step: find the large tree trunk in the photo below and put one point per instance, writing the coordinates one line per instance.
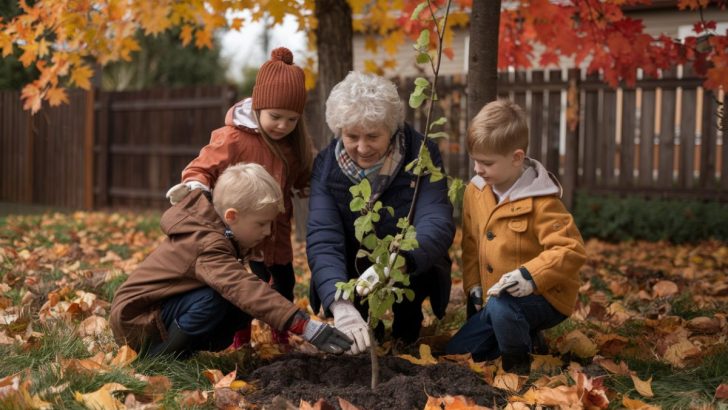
(483, 58)
(335, 59)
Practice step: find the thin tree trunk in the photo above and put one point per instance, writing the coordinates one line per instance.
(335, 59)
(374, 358)
(483, 59)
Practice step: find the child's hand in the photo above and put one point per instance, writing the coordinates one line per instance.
(520, 286)
(500, 287)
(475, 300)
(324, 337)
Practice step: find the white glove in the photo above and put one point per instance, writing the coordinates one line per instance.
(349, 321)
(514, 283)
(369, 279)
(180, 191)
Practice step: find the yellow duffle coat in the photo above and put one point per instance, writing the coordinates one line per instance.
(533, 230)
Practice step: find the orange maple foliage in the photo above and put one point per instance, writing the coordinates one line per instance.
(594, 32)
(64, 39)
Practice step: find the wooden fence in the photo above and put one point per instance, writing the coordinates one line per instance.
(112, 149)
(125, 149)
(43, 157)
(660, 138)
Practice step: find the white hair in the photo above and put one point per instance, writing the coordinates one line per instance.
(364, 100)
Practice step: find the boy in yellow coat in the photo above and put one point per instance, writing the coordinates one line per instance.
(519, 242)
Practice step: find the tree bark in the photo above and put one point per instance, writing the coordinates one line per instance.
(334, 36)
(483, 58)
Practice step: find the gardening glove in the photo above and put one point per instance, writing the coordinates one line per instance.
(501, 286)
(369, 279)
(518, 286)
(349, 320)
(180, 191)
(475, 300)
(324, 337)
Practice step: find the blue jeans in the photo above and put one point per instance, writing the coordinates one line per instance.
(506, 324)
(206, 317)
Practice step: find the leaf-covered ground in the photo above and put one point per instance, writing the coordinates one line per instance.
(650, 330)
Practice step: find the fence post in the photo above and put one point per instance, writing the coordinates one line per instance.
(571, 148)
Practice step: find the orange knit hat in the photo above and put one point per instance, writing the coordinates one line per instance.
(280, 83)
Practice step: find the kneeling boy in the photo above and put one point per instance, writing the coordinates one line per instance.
(195, 291)
(519, 242)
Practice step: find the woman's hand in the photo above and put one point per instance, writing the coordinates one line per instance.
(349, 321)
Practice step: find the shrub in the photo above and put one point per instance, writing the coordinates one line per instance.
(615, 219)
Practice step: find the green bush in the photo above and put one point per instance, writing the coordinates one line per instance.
(615, 219)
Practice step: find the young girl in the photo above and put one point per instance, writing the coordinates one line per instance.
(267, 129)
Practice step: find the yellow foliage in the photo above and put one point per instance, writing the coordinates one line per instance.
(81, 76)
(102, 398)
(425, 359)
(577, 343)
(643, 387)
(56, 96)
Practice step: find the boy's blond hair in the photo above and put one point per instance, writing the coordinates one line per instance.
(499, 128)
(245, 188)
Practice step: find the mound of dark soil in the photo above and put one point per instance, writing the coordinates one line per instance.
(402, 385)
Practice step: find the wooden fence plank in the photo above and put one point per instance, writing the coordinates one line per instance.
(687, 137)
(626, 149)
(708, 141)
(553, 128)
(88, 151)
(535, 112)
(571, 150)
(666, 138)
(607, 133)
(590, 137)
(647, 137)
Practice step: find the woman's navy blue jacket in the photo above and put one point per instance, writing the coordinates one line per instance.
(331, 246)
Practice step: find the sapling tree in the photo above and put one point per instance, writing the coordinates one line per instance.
(384, 252)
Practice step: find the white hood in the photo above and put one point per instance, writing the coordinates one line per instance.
(535, 181)
(242, 114)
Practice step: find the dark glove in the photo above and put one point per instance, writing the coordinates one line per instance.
(475, 301)
(326, 338)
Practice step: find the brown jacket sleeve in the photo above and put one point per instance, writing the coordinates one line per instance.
(222, 272)
(225, 148)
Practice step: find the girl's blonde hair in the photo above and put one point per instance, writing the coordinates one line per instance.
(246, 187)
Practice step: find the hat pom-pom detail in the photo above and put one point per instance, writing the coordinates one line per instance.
(282, 54)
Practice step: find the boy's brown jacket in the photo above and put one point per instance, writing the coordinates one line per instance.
(196, 253)
(239, 141)
(534, 231)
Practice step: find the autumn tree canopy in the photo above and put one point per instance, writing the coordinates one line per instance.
(63, 39)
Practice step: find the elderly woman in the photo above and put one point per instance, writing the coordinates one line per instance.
(373, 142)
